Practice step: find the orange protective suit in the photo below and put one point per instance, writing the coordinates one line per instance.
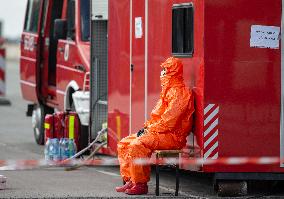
(170, 124)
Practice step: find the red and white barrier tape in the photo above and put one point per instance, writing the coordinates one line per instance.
(32, 164)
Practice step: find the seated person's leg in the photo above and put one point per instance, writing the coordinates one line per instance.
(123, 157)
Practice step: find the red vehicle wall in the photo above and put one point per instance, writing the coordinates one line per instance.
(241, 83)
(28, 65)
(159, 48)
(119, 73)
(244, 82)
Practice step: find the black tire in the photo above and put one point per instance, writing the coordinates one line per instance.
(227, 188)
(38, 116)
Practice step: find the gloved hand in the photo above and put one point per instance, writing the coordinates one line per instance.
(140, 132)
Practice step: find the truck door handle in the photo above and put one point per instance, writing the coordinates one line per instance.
(80, 68)
(61, 50)
(132, 67)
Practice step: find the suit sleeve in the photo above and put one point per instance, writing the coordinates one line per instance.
(178, 102)
(155, 114)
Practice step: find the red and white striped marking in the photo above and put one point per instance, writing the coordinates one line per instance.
(211, 132)
(32, 164)
(2, 73)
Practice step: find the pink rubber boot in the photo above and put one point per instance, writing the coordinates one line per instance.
(128, 185)
(138, 189)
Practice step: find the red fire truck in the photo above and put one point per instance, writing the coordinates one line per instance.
(55, 57)
(231, 52)
(232, 60)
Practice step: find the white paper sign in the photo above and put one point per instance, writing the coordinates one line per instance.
(265, 36)
(138, 27)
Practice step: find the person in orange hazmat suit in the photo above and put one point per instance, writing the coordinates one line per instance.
(168, 127)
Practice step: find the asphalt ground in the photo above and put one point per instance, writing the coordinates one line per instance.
(17, 143)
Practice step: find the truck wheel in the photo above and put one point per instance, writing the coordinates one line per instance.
(38, 116)
(231, 188)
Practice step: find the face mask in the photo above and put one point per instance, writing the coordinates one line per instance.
(163, 72)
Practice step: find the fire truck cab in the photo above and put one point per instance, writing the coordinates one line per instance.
(55, 51)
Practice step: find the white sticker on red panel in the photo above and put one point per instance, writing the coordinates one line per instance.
(138, 28)
(265, 37)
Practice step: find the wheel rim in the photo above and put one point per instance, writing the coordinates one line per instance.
(36, 120)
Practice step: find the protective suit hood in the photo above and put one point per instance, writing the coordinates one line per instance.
(173, 66)
(173, 75)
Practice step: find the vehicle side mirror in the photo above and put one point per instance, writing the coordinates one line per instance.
(60, 29)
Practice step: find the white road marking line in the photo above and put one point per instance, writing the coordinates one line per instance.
(181, 193)
(108, 173)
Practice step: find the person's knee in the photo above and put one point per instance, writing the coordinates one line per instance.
(138, 150)
(120, 149)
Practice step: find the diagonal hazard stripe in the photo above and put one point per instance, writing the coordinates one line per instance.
(211, 116)
(211, 127)
(215, 156)
(208, 153)
(211, 139)
(208, 108)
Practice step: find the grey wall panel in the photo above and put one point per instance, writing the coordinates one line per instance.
(100, 8)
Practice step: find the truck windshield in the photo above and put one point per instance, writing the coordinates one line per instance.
(85, 20)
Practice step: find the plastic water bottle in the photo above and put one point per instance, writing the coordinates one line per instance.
(46, 150)
(56, 152)
(53, 150)
(72, 148)
(64, 150)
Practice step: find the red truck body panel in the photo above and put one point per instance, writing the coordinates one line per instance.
(28, 64)
(237, 87)
(128, 99)
(244, 82)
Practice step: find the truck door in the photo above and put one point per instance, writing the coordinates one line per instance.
(53, 11)
(29, 61)
(70, 66)
(138, 98)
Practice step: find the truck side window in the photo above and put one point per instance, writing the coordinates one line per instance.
(85, 19)
(182, 30)
(32, 16)
(71, 20)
